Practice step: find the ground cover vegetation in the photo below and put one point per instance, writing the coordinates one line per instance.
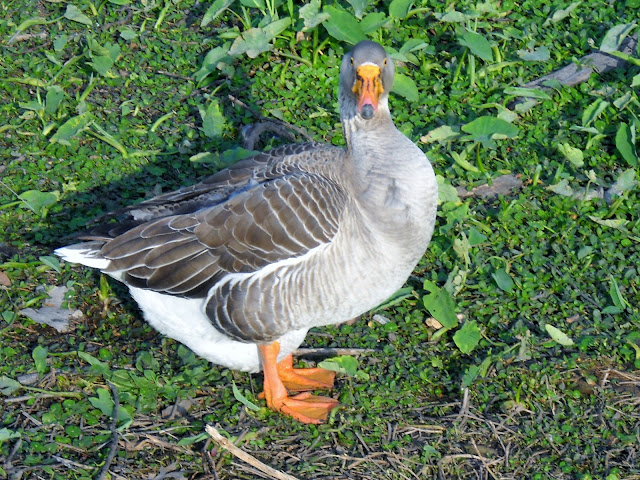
(514, 350)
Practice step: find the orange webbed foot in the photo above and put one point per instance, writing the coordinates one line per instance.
(304, 379)
(304, 407)
(307, 408)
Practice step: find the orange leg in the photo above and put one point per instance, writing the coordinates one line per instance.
(304, 407)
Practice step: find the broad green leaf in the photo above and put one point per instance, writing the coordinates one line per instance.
(127, 34)
(503, 280)
(486, 129)
(405, 86)
(400, 8)
(103, 57)
(96, 48)
(55, 94)
(211, 61)
(397, 297)
(74, 13)
(461, 159)
(105, 404)
(441, 134)
(97, 367)
(625, 143)
(39, 202)
(476, 237)
(562, 13)
(617, 223)
(101, 64)
(562, 188)
(585, 252)
(257, 40)
(52, 58)
(440, 304)
(6, 434)
(39, 355)
(373, 21)
(32, 105)
(35, 82)
(527, 92)
(452, 17)
(593, 111)
(558, 335)
(468, 336)
(345, 364)
(462, 247)
(252, 42)
(574, 155)
(70, 129)
(8, 385)
(120, 2)
(259, 4)
(414, 45)
(446, 191)
(615, 36)
(635, 82)
(312, 15)
(212, 120)
(358, 7)
(277, 27)
(224, 159)
(103, 401)
(624, 101)
(540, 54)
(616, 296)
(214, 10)
(242, 399)
(60, 42)
(477, 44)
(405, 54)
(186, 441)
(30, 22)
(625, 182)
(343, 26)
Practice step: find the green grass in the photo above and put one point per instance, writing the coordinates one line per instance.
(518, 404)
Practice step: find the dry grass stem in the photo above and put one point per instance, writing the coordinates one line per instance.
(245, 457)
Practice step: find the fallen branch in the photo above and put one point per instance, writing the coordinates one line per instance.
(244, 456)
(502, 185)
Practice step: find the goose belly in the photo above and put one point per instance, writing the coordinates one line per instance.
(183, 319)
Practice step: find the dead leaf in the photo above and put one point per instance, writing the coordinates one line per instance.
(433, 323)
(51, 313)
(502, 185)
(4, 280)
(436, 325)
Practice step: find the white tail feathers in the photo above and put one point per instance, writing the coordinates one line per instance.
(87, 253)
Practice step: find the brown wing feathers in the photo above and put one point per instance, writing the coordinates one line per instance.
(265, 223)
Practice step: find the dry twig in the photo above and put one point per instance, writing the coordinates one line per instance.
(331, 352)
(244, 456)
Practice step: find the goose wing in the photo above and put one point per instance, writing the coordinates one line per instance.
(260, 211)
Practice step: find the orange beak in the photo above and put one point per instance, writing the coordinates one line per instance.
(368, 88)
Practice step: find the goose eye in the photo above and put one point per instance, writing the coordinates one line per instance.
(385, 62)
(351, 60)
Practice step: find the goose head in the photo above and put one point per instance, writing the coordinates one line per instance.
(366, 76)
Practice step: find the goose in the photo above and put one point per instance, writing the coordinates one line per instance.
(241, 265)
